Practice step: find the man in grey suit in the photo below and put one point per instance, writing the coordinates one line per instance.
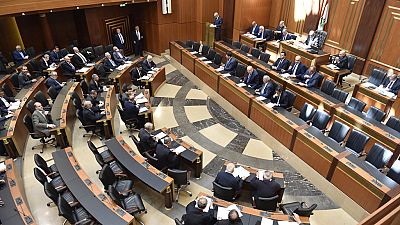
(41, 122)
(118, 56)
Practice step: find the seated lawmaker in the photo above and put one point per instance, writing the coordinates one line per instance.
(391, 82)
(89, 115)
(79, 60)
(285, 35)
(195, 214)
(67, 68)
(41, 120)
(5, 103)
(118, 56)
(231, 63)
(109, 64)
(148, 64)
(146, 138)
(280, 98)
(19, 55)
(265, 188)
(94, 84)
(311, 78)
(125, 96)
(297, 69)
(267, 89)
(96, 102)
(262, 33)
(233, 219)
(53, 82)
(25, 78)
(226, 178)
(342, 62)
(131, 109)
(55, 55)
(254, 28)
(252, 78)
(45, 62)
(282, 63)
(166, 158)
(312, 39)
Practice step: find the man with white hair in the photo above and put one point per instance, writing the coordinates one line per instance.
(89, 114)
(341, 61)
(109, 64)
(226, 178)
(285, 35)
(119, 56)
(311, 38)
(217, 24)
(79, 60)
(119, 39)
(53, 82)
(254, 28)
(195, 214)
(166, 158)
(45, 62)
(67, 68)
(391, 82)
(41, 120)
(267, 90)
(262, 33)
(146, 138)
(266, 187)
(19, 55)
(94, 84)
(252, 78)
(148, 64)
(297, 69)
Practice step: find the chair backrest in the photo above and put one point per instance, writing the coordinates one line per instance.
(240, 70)
(92, 147)
(65, 210)
(108, 48)
(139, 145)
(378, 156)
(375, 113)
(377, 77)
(321, 37)
(340, 95)
(393, 123)
(39, 97)
(7, 90)
(114, 195)
(14, 80)
(292, 98)
(63, 52)
(99, 50)
(205, 49)
(77, 102)
(211, 54)
(31, 106)
(41, 163)
(307, 112)
(217, 59)
(39, 175)
(394, 172)
(236, 45)
(30, 51)
(352, 62)
(356, 104)
(28, 123)
(321, 120)
(196, 46)
(265, 57)
(338, 131)
(245, 48)
(225, 193)
(255, 52)
(189, 43)
(357, 141)
(52, 92)
(152, 160)
(99, 159)
(305, 211)
(180, 176)
(267, 204)
(99, 68)
(328, 86)
(51, 192)
(106, 176)
(84, 87)
(124, 87)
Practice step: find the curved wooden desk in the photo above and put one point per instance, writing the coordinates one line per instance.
(110, 105)
(120, 77)
(155, 81)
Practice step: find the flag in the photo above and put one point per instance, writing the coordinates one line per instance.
(324, 12)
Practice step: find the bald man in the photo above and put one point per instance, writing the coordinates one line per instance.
(89, 116)
(41, 120)
(252, 78)
(110, 64)
(297, 69)
(195, 214)
(148, 64)
(67, 68)
(226, 178)
(79, 60)
(233, 219)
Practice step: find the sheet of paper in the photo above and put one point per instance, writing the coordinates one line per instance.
(261, 98)
(260, 174)
(270, 105)
(226, 75)
(83, 70)
(219, 69)
(203, 58)
(70, 55)
(266, 221)
(208, 62)
(287, 223)
(143, 109)
(249, 54)
(90, 64)
(141, 101)
(151, 72)
(240, 172)
(367, 85)
(179, 150)
(139, 96)
(51, 68)
(160, 135)
(13, 106)
(258, 39)
(2, 167)
(222, 213)
(128, 62)
(241, 85)
(145, 77)
(193, 52)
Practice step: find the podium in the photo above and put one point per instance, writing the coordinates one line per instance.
(209, 35)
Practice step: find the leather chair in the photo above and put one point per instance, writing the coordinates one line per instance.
(356, 104)
(340, 95)
(30, 106)
(14, 81)
(91, 130)
(56, 182)
(236, 45)
(51, 171)
(245, 48)
(63, 52)
(181, 180)
(189, 44)
(39, 97)
(154, 161)
(255, 52)
(265, 57)
(307, 112)
(115, 167)
(52, 193)
(204, 50)
(139, 145)
(217, 59)
(240, 70)
(266, 204)
(394, 172)
(77, 102)
(31, 52)
(108, 48)
(292, 98)
(356, 142)
(37, 135)
(300, 209)
(108, 178)
(224, 193)
(52, 92)
(211, 54)
(85, 88)
(321, 120)
(99, 50)
(106, 154)
(74, 215)
(393, 123)
(328, 86)
(130, 123)
(321, 37)
(196, 46)
(375, 113)
(377, 76)
(378, 156)
(8, 91)
(338, 131)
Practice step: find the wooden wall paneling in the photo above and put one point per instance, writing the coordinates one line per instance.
(228, 16)
(122, 23)
(275, 14)
(31, 32)
(288, 12)
(81, 29)
(10, 36)
(63, 27)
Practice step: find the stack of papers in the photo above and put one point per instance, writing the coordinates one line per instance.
(203, 58)
(219, 69)
(14, 106)
(143, 109)
(226, 75)
(145, 77)
(369, 85)
(285, 75)
(223, 212)
(178, 150)
(241, 85)
(90, 64)
(266, 221)
(139, 96)
(208, 62)
(261, 98)
(193, 52)
(83, 70)
(240, 172)
(160, 135)
(332, 67)
(270, 105)
(141, 101)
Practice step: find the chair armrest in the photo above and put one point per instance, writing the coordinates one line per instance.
(50, 174)
(81, 221)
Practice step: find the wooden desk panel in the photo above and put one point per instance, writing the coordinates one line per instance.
(249, 41)
(155, 81)
(307, 58)
(188, 60)
(273, 46)
(372, 98)
(120, 77)
(110, 105)
(206, 74)
(175, 51)
(237, 96)
(332, 74)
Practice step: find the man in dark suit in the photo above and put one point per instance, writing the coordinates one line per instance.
(24, 78)
(55, 55)
(297, 69)
(226, 178)
(148, 64)
(254, 28)
(118, 56)
(148, 141)
(132, 111)
(125, 96)
(217, 24)
(252, 78)
(138, 41)
(282, 63)
(136, 74)
(265, 188)
(311, 78)
(79, 60)
(267, 90)
(118, 39)
(41, 121)
(233, 219)
(109, 64)
(341, 61)
(67, 68)
(5, 103)
(261, 33)
(280, 98)
(391, 82)
(19, 55)
(231, 64)
(45, 62)
(195, 214)
(285, 35)
(94, 99)
(94, 84)
(166, 158)
(53, 82)
(279, 29)
(89, 115)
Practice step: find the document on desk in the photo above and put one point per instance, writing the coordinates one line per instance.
(193, 53)
(90, 64)
(223, 212)
(203, 58)
(249, 54)
(240, 172)
(333, 67)
(226, 75)
(219, 69)
(258, 39)
(285, 75)
(270, 105)
(241, 85)
(145, 77)
(179, 150)
(83, 70)
(266, 221)
(14, 106)
(143, 109)
(369, 85)
(160, 135)
(51, 68)
(139, 96)
(142, 101)
(261, 98)
(151, 72)
(208, 62)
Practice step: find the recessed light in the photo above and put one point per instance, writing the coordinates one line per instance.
(23, 14)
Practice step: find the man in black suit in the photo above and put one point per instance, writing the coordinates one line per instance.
(285, 35)
(166, 158)
(279, 29)
(79, 60)
(391, 82)
(254, 28)
(267, 90)
(55, 55)
(138, 41)
(282, 63)
(125, 96)
(280, 98)
(267, 187)
(67, 68)
(132, 111)
(118, 56)
(89, 115)
(45, 62)
(148, 64)
(231, 64)
(217, 24)
(96, 103)
(19, 55)
(5, 103)
(109, 64)
(311, 39)
(53, 82)
(252, 78)
(297, 69)
(233, 219)
(195, 214)
(24, 78)
(94, 84)
(146, 138)
(118, 39)
(311, 78)
(227, 179)
(341, 61)
(136, 75)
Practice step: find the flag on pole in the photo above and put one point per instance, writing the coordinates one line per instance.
(324, 12)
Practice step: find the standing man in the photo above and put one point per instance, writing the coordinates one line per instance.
(217, 24)
(119, 40)
(137, 40)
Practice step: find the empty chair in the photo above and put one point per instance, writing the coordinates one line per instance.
(340, 95)
(356, 142)
(106, 154)
(107, 178)
(196, 46)
(255, 52)
(350, 67)
(205, 49)
(30, 106)
(181, 180)
(328, 86)
(266, 204)
(115, 167)
(240, 70)
(321, 120)
(108, 48)
(300, 209)
(37, 135)
(63, 52)
(356, 104)
(52, 193)
(8, 91)
(52, 92)
(217, 59)
(265, 57)
(377, 77)
(99, 50)
(378, 156)
(375, 113)
(51, 171)
(393, 123)
(224, 193)
(394, 172)
(236, 45)
(338, 131)
(84, 87)
(292, 98)
(39, 97)
(57, 182)
(189, 44)
(77, 215)
(245, 48)
(14, 81)
(307, 112)
(211, 54)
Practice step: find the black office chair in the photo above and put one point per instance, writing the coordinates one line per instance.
(328, 86)
(266, 204)
(57, 182)
(292, 98)
(77, 102)
(196, 46)
(37, 135)
(338, 131)
(265, 57)
(154, 161)
(307, 112)
(394, 172)
(74, 215)
(31, 52)
(117, 169)
(108, 178)
(211, 54)
(224, 193)
(204, 50)
(340, 95)
(350, 66)
(255, 52)
(85, 88)
(8, 91)
(300, 208)
(393, 123)
(52, 92)
(133, 203)
(91, 130)
(375, 113)
(356, 142)
(106, 154)
(178, 221)
(139, 145)
(30, 106)
(217, 59)
(236, 45)
(356, 104)
(245, 48)
(63, 52)
(377, 77)
(181, 180)
(14, 81)
(39, 97)
(51, 171)
(103, 74)
(321, 120)
(240, 70)
(52, 193)
(99, 50)
(189, 44)
(378, 156)
(130, 123)
(108, 48)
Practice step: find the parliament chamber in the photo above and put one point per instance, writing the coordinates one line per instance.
(199, 112)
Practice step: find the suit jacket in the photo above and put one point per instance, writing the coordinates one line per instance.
(228, 180)
(118, 57)
(264, 188)
(287, 37)
(18, 59)
(147, 140)
(343, 63)
(253, 79)
(117, 41)
(23, 80)
(218, 22)
(262, 35)
(3, 107)
(131, 110)
(146, 66)
(227, 222)
(395, 87)
(269, 35)
(309, 39)
(90, 116)
(67, 69)
(196, 216)
(95, 86)
(281, 65)
(43, 65)
(313, 80)
(53, 83)
(135, 73)
(40, 122)
(267, 90)
(254, 29)
(108, 66)
(230, 65)
(165, 157)
(54, 57)
(77, 61)
(283, 100)
(135, 37)
(301, 69)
